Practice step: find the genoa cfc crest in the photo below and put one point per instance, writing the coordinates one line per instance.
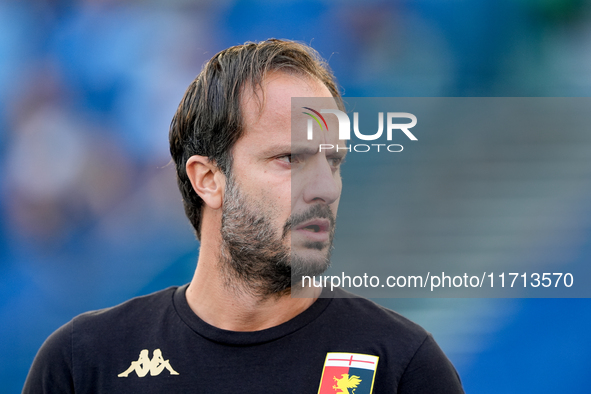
(348, 373)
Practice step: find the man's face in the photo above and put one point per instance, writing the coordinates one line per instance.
(281, 200)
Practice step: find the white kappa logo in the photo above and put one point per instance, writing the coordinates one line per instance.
(143, 365)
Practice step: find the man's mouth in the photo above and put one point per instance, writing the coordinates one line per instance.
(315, 225)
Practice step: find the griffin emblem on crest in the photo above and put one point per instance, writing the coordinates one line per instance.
(345, 383)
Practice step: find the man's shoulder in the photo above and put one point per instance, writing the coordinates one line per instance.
(140, 305)
(139, 309)
(128, 322)
(368, 317)
(365, 308)
(414, 361)
(99, 337)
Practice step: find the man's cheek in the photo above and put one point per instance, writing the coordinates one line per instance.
(334, 207)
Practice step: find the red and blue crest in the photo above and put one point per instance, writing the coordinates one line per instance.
(348, 373)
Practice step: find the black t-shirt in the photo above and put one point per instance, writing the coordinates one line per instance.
(156, 344)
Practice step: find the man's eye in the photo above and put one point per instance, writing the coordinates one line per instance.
(335, 161)
(285, 158)
(291, 159)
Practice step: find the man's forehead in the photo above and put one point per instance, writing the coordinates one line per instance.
(272, 100)
(311, 123)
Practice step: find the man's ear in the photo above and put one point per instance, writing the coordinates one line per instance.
(207, 180)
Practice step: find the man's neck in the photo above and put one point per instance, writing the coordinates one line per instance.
(231, 309)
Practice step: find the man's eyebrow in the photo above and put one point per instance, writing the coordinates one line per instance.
(290, 149)
(304, 150)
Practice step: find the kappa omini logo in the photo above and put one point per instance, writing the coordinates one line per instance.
(348, 373)
(143, 365)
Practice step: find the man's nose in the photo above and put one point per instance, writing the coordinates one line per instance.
(322, 184)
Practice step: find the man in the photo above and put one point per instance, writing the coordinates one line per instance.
(264, 207)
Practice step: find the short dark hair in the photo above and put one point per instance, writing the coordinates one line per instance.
(208, 121)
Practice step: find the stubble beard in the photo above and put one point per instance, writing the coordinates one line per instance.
(254, 258)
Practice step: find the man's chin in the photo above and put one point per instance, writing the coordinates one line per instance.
(311, 249)
(310, 263)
